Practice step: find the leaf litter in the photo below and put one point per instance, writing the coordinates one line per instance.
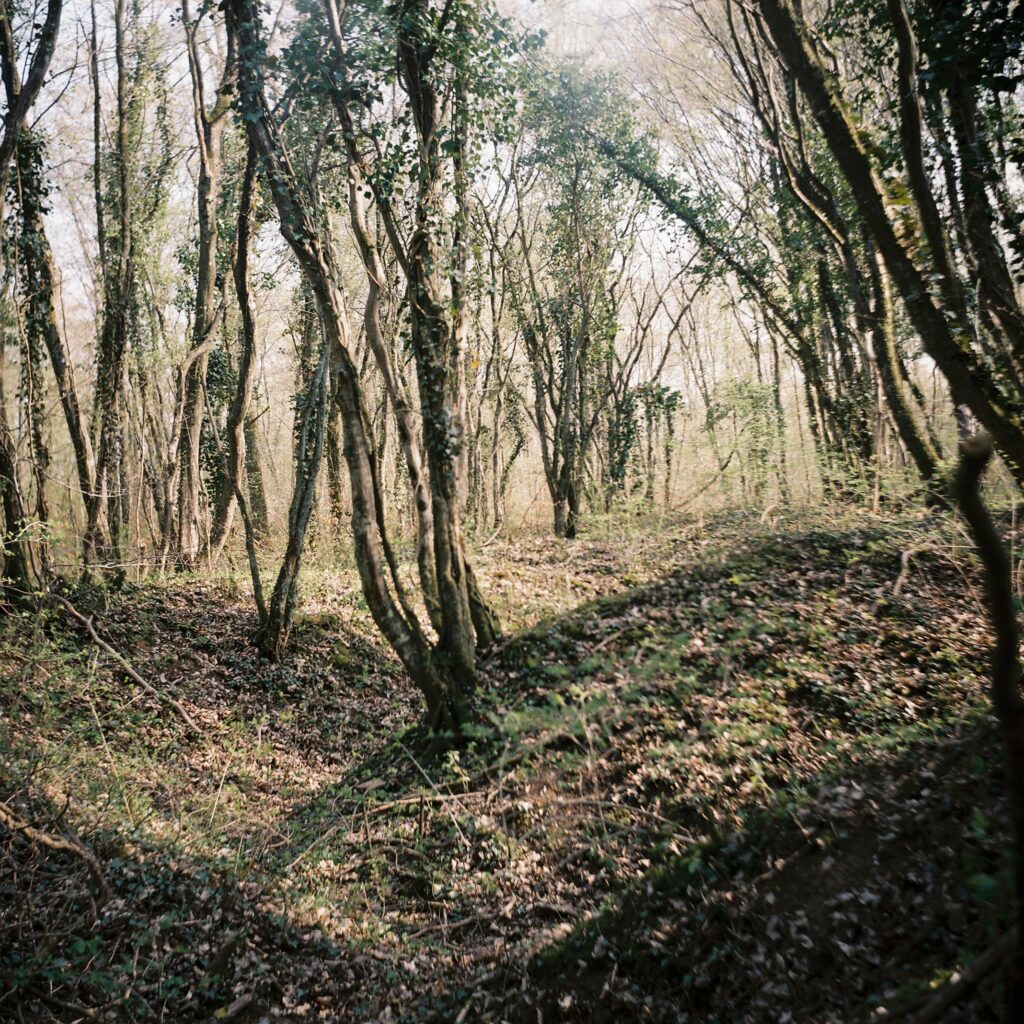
(751, 778)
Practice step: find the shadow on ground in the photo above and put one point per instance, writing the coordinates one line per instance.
(761, 788)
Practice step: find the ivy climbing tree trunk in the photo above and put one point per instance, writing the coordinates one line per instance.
(22, 90)
(435, 346)
(235, 439)
(408, 432)
(37, 286)
(209, 122)
(948, 334)
(274, 631)
(103, 529)
(23, 76)
(15, 546)
(378, 570)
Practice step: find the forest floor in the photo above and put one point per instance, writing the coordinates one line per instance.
(720, 771)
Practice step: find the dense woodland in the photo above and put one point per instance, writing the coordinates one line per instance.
(492, 515)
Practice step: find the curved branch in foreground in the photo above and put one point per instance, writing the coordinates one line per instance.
(975, 453)
(60, 843)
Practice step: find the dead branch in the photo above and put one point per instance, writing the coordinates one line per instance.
(906, 557)
(963, 984)
(60, 843)
(123, 662)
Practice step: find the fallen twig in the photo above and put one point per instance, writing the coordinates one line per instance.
(433, 785)
(961, 985)
(60, 843)
(450, 926)
(123, 662)
(235, 1009)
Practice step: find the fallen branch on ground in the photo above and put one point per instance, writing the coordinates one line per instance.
(961, 985)
(60, 843)
(123, 662)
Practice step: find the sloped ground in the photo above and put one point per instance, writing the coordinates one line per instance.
(752, 778)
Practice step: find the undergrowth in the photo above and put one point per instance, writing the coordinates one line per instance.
(719, 771)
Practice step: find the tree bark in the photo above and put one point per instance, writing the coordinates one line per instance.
(40, 312)
(948, 337)
(209, 124)
(22, 92)
(1007, 675)
(103, 531)
(377, 569)
(235, 457)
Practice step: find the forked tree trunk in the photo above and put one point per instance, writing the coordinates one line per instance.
(465, 618)
(377, 568)
(309, 456)
(209, 133)
(21, 91)
(397, 392)
(408, 433)
(235, 457)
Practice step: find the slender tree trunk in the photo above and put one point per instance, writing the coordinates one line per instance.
(209, 132)
(22, 89)
(254, 482)
(234, 466)
(435, 344)
(408, 432)
(1007, 675)
(22, 80)
(118, 288)
(40, 315)
(948, 336)
(15, 540)
(887, 359)
(310, 448)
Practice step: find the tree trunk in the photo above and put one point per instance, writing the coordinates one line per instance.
(41, 317)
(254, 481)
(104, 537)
(408, 432)
(310, 448)
(887, 358)
(15, 542)
(209, 132)
(1007, 675)
(235, 458)
(377, 568)
(435, 344)
(947, 335)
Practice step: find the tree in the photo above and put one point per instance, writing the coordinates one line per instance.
(20, 93)
(210, 119)
(988, 385)
(441, 683)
